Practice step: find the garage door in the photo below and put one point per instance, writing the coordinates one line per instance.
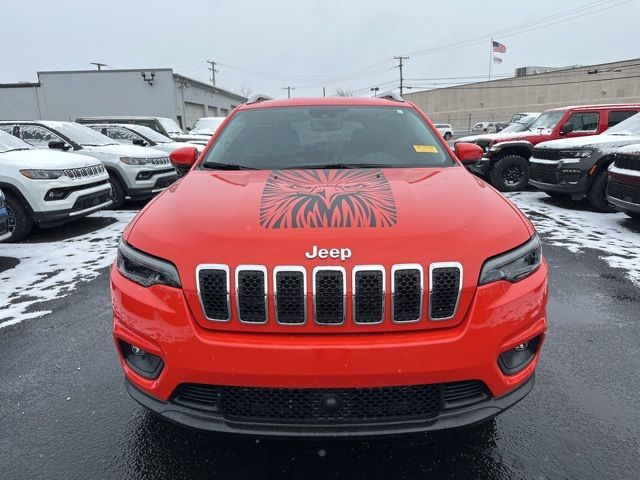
(192, 112)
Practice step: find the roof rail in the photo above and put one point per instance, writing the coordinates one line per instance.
(258, 98)
(393, 96)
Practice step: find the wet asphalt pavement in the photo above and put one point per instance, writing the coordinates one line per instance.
(64, 412)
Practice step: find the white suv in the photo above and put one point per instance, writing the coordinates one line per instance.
(134, 172)
(48, 188)
(445, 130)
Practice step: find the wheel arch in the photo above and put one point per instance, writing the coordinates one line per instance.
(15, 191)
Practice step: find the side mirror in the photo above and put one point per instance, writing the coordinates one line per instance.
(184, 156)
(188, 129)
(468, 152)
(566, 128)
(139, 142)
(59, 145)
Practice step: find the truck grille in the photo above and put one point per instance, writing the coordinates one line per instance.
(547, 154)
(542, 175)
(308, 405)
(329, 293)
(628, 162)
(624, 192)
(85, 172)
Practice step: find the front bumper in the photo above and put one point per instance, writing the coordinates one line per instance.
(501, 316)
(82, 206)
(481, 167)
(568, 178)
(623, 190)
(155, 185)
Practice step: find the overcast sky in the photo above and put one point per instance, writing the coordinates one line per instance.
(308, 44)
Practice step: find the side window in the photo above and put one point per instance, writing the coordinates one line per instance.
(616, 117)
(584, 121)
(37, 136)
(7, 128)
(122, 135)
(151, 124)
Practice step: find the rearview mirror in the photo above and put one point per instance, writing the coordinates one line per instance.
(566, 128)
(140, 142)
(184, 156)
(59, 145)
(468, 152)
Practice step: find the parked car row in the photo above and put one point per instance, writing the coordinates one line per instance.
(569, 152)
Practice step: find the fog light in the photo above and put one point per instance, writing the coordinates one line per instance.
(143, 363)
(514, 360)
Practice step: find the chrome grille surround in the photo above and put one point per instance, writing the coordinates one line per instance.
(296, 269)
(432, 268)
(354, 292)
(344, 293)
(251, 268)
(401, 267)
(219, 267)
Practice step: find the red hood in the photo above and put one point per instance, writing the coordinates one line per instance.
(532, 137)
(384, 216)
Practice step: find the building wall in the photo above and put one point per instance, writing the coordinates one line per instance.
(499, 99)
(196, 99)
(19, 102)
(69, 95)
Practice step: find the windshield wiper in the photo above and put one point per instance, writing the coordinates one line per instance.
(226, 166)
(341, 165)
(524, 125)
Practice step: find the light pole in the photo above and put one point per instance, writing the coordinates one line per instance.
(375, 91)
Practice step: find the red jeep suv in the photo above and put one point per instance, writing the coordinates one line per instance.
(328, 267)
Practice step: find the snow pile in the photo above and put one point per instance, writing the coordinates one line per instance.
(578, 230)
(52, 270)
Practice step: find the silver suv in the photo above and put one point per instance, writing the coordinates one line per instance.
(134, 172)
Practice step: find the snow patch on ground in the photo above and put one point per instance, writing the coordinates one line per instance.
(578, 230)
(54, 269)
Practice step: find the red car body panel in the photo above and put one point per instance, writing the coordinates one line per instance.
(233, 218)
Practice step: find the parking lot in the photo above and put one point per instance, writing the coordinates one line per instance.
(65, 412)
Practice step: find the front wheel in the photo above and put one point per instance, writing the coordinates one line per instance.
(20, 222)
(510, 173)
(597, 195)
(117, 193)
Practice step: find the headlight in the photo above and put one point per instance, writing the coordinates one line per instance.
(575, 153)
(42, 174)
(514, 265)
(135, 160)
(145, 269)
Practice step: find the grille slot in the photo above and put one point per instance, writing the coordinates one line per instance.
(406, 290)
(329, 295)
(304, 405)
(213, 288)
(544, 176)
(290, 295)
(547, 154)
(251, 293)
(445, 284)
(628, 162)
(368, 290)
(624, 192)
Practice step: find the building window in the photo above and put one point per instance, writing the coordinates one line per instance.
(224, 112)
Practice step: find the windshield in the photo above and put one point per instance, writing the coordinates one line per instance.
(149, 133)
(630, 126)
(547, 121)
(80, 134)
(521, 125)
(208, 123)
(170, 125)
(8, 143)
(319, 137)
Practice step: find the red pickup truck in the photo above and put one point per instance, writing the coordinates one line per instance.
(505, 160)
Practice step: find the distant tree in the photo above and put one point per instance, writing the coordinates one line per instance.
(245, 91)
(344, 92)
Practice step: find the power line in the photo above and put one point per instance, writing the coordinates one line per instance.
(288, 89)
(213, 71)
(400, 59)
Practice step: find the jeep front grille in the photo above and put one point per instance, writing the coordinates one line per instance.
(628, 162)
(547, 154)
(85, 172)
(329, 286)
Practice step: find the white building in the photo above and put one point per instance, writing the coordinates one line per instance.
(67, 95)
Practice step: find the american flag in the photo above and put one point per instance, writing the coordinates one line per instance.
(498, 47)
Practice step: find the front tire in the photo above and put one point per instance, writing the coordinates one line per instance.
(20, 222)
(117, 193)
(634, 215)
(597, 195)
(510, 173)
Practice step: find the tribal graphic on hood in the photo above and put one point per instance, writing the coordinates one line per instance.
(327, 198)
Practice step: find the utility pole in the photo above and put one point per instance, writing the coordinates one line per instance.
(213, 71)
(400, 64)
(288, 89)
(99, 65)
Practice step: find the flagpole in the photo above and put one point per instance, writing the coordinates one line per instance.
(490, 56)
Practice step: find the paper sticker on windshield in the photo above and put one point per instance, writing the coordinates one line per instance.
(425, 149)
